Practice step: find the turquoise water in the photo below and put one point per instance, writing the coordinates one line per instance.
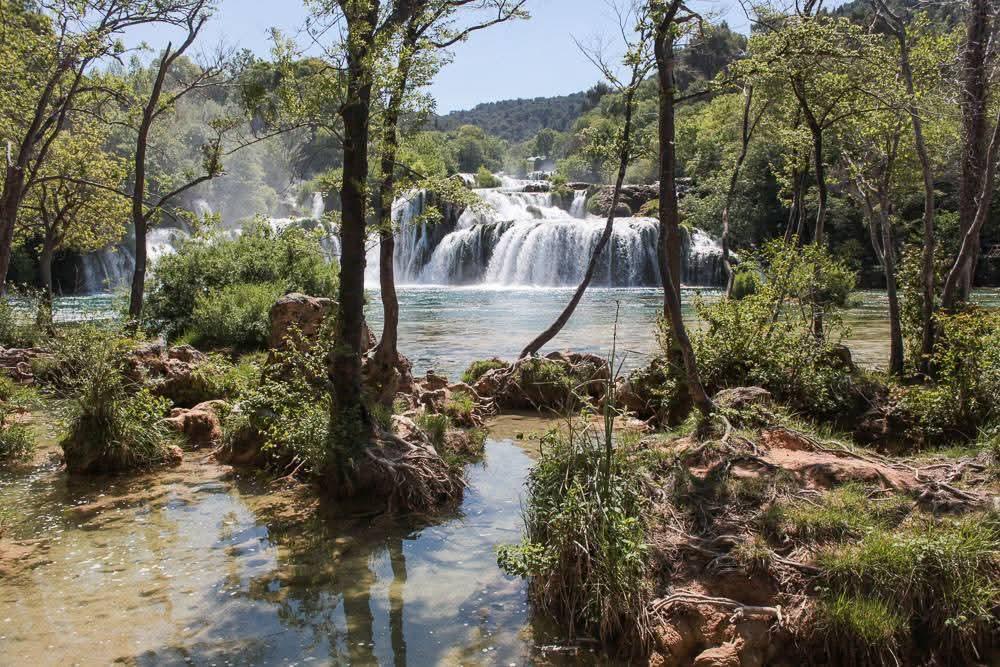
(446, 328)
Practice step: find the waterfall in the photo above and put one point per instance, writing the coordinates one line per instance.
(578, 209)
(112, 267)
(318, 206)
(522, 238)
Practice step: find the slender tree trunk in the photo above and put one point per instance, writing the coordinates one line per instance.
(670, 240)
(746, 135)
(350, 420)
(974, 94)
(819, 233)
(624, 154)
(387, 352)
(880, 231)
(45, 269)
(138, 287)
(10, 203)
(951, 293)
(927, 278)
(889, 266)
(670, 232)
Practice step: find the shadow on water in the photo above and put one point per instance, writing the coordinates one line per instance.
(200, 565)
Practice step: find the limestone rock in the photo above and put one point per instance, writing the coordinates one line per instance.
(307, 313)
(201, 425)
(741, 398)
(297, 310)
(16, 362)
(725, 655)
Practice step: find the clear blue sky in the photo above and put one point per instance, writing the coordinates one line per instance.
(530, 58)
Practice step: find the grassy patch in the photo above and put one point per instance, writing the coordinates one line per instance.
(864, 628)
(943, 577)
(842, 513)
(478, 369)
(461, 408)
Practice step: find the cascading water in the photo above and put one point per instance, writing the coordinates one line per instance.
(578, 209)
(112, 267)
(525, 239)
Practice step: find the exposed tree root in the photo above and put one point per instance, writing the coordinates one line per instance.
(411, 475)
(741, 611)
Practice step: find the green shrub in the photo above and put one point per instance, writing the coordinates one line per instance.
(461, 408)
(966, 366)
(114, 424)
(485, 179)
(478, 369)
(585, 547)
(766, 339)
(942, 576)
(435, 427)
(234, 316)
(17, 442)
(217, 378)
(743, 284)
(204, 265)
(23, 318)
(286, 411)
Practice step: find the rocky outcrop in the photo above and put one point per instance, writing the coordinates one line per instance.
(16, 362)
(632, 198)
(557, 382)
(434, 394)
(538, 186)
(742, 398)
(171, 372)
(297, 311)
(200, 425)
(304, 315)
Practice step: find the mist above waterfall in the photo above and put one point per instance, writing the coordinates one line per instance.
(527, 239)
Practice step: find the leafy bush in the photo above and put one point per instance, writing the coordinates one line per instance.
(204, 265)
(967, 379)
(766, 338)
(18, 327)
(217, 378)
(478, 369)
(234, 316)
(16, 440)
(943, 577)
(485, 179)
(585, 545)
(114, 424)
(287, 411)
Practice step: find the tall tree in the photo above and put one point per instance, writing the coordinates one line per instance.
(48, 49)
(668, 20)
(977, 53)
(638, 59)
(897, 23)
(748, 125)
(150, 198)
(429, 29)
